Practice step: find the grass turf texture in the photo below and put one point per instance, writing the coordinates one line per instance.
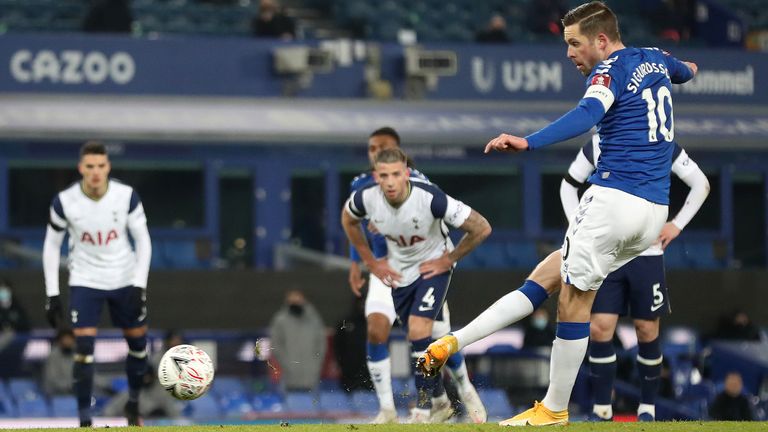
(695, 426)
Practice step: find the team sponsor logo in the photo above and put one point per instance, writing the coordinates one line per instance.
(98, 238)
(72, 67)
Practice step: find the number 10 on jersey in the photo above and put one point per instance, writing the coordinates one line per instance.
(657, 114)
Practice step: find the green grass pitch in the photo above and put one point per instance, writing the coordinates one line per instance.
(694, 426)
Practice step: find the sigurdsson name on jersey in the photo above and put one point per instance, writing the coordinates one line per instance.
(642, 70)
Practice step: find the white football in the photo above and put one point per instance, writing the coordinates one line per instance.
(185, 371)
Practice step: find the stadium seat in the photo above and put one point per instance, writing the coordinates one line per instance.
(365, 402)
(236, 406)
(267, 402)
(334, 401)
(226, 386)
(32, 407)
(302, 402)
(24, 388)
(496, 403)
(63, 406)
(205, 407)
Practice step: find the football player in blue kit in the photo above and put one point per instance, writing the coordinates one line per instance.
(380, 314)
(639, 287)
(413, 215)
(628, 97)
(99, 213)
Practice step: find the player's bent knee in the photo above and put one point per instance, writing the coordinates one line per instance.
(378, 328)
(85, 331)
(419, 327)
(647, 330)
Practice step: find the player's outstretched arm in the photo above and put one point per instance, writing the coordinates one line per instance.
(476, 228)
(506, 143)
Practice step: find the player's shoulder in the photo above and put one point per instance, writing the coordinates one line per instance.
(120, 188)
(416, 174)
(70, 193)
(361, 180)
(426, 187)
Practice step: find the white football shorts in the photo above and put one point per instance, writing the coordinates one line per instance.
(379, 300)
(610, 228)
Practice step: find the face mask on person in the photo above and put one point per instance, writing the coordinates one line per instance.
(539, 323)
(296, 309)
(67, 350)
(5, 297)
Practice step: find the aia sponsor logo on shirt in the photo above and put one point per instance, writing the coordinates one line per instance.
(602, 80)
(98, 239)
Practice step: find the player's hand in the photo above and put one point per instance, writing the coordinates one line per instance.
(668, 233)
(436, 266)
(693, 66)
(372, 228)
(138, 300)
(356, 280)
(53, 311)
(383, 271)
(506, 143)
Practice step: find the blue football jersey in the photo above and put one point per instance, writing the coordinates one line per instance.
(377, 242)
(637, 133)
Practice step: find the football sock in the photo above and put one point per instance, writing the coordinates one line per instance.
(136, 365)
(602, 366)
(82, 372)
(568, 352)
(649, 360)
(380, 368)
(457, 368)
(507, 310)
(424, 385)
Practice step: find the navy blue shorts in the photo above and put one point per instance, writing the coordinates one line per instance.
(85, 307)
(638, 287)
(424, 298)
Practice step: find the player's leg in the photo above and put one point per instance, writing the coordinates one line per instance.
(380, 315)
(613, 227)
(543, 281)
(602, 362)
(419, 305)
(457, 370)
(649, 302)
(611, 301)
(85, 311)
(130, 313)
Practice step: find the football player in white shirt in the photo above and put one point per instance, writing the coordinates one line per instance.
(98, 213)
(639, 286)
(380, 315)
(413, 216)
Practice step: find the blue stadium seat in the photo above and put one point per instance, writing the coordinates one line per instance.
(63, 406)
(32, 407)
(7, 407)
(236, 406)
(365, 402)
(225, 386)
(302, 402)
(205, 407)
(334, 401)
(24, 388)
(267, 402)
(496, 403)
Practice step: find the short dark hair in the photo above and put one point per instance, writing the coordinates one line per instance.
(392, 155)
(386, 130)
(93, 147)
(594, 18)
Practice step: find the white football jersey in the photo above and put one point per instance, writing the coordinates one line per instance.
(100, 254)
(416, 231)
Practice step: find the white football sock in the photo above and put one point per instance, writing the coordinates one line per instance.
(381, 375)
(567, 356)
(507, 310)
(603, 411)
(646, 408)
(460, 377)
